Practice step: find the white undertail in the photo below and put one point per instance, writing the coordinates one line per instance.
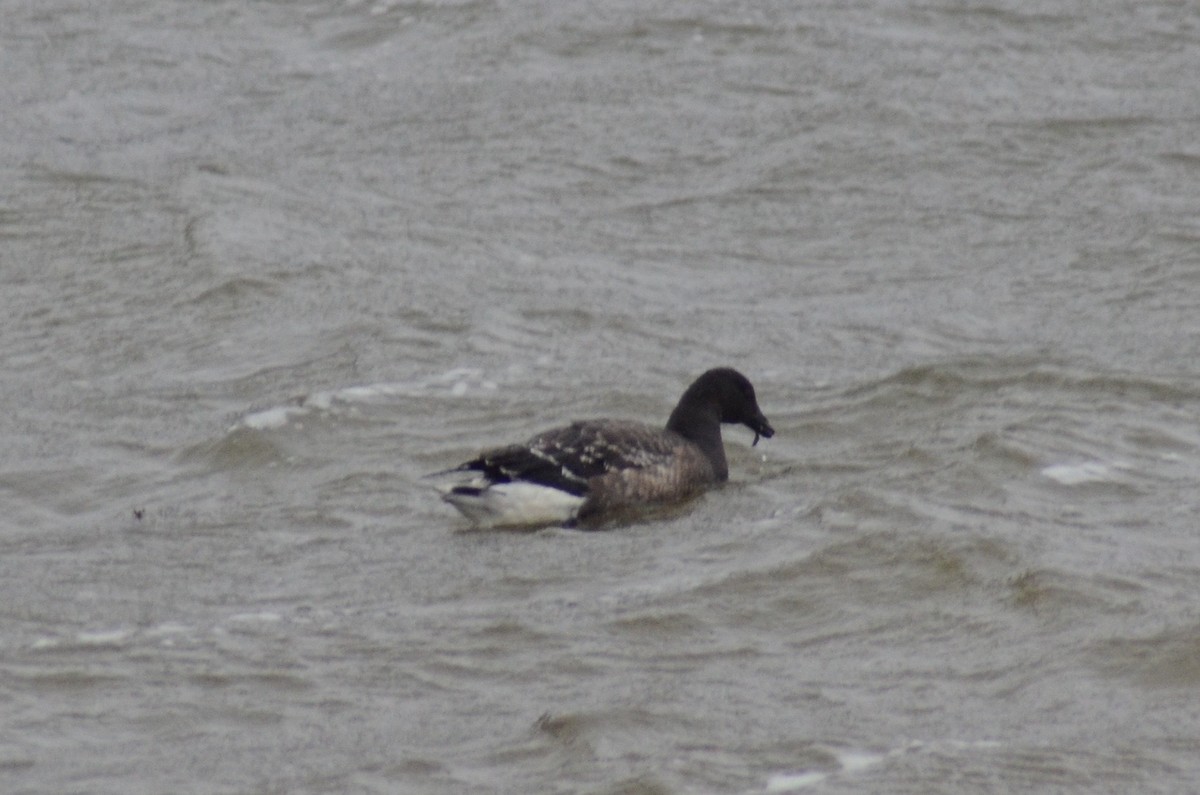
(512, 504)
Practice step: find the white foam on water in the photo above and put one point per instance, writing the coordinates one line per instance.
(458, 382)
(1082, 473)
(848, 762)
(269, 419)
(790, 782)
(852, 762)
(264, 617)
(103, 637)
(168, 628)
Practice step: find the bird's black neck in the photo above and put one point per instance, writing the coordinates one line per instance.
(701, 425)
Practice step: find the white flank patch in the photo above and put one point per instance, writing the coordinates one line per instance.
(516, 504)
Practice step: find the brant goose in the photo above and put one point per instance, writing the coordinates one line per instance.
(594, 468)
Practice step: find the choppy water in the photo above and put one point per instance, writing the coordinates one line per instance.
(265, 264)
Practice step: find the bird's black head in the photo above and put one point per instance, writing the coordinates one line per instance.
(733, 395)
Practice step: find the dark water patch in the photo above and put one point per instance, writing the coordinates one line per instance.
(1169, 439)
(567, 729)
(233, 295)
(1009, 16)
(1094, 127)
(648, 36)
(942, 381)
(1190, 160)
(241, 448)
(660, 627)
(811, 593)
(1169, 658)
(644, 784)
(625, 728)
(512, 631)
(996, 450)
(70, 681)
(948, 767)
(1054, 595)
(257, 681)
(67, 490)
(11, 763)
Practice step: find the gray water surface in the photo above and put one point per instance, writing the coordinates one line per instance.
(265, 265)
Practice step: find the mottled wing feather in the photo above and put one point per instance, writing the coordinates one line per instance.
(568, 458)
(522, 462)
(596, 447)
